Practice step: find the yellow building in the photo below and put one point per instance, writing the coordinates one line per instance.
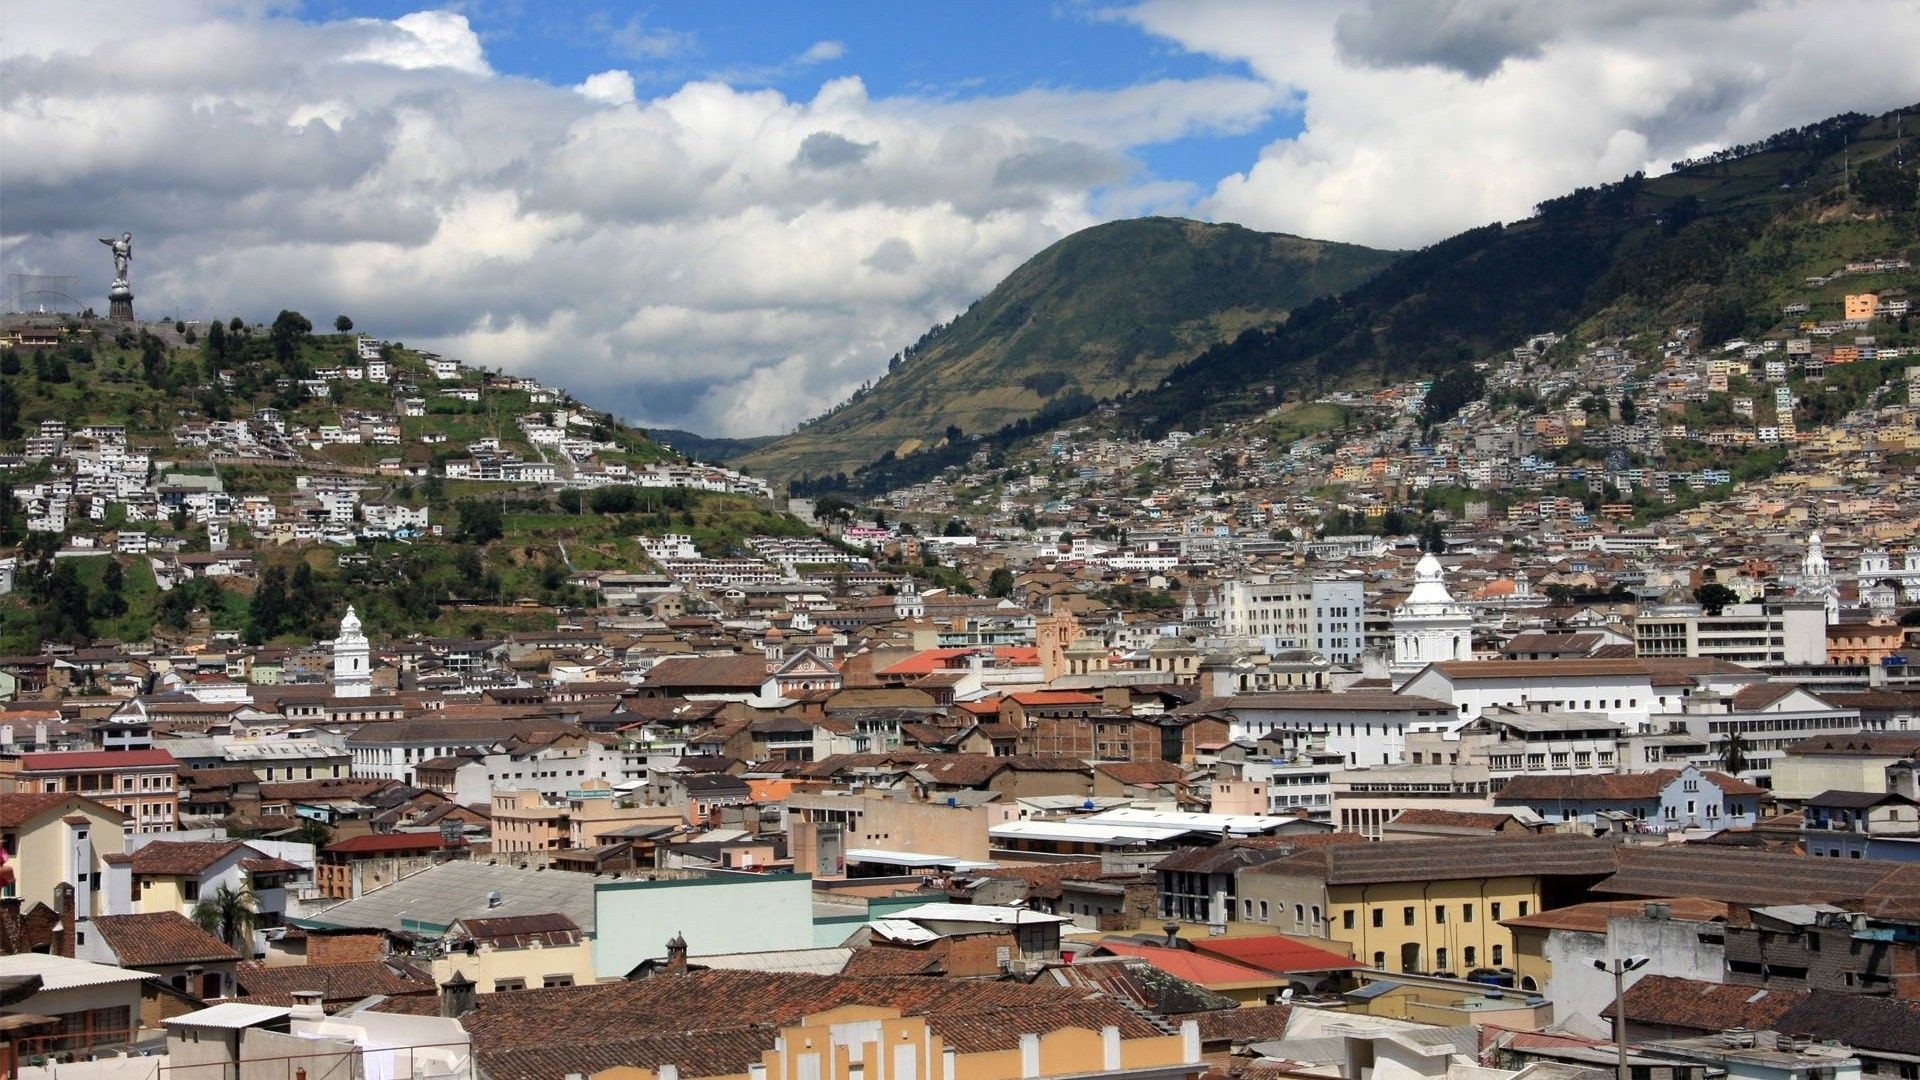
(515, 952)
(1424, 907)
(877, 1043)
(53, 837)
(1861, 305)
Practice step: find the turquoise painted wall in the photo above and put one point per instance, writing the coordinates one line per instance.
(719, 914)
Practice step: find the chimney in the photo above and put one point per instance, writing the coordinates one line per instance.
(456, 996)
(306, 1005)
(69, 932)
(676, 955)
(1659, 910)
(1172, 930)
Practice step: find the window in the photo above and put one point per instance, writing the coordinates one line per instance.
(1440, 959)
(1524, 906)
(1469, 956)
(551, 981)
(1379, 961)
(1379, 917)
(1299, 913)
(190, 889)
(1439, 914)
(1499, 955)
(1466, 912)
(1263, 911)
(1493, 911)
(1246, 909)
(1406, 916)
(509, 984)
(1346, 919)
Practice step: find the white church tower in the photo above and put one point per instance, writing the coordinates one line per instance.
(352, 660)
(1816, 578)
(1429, 626)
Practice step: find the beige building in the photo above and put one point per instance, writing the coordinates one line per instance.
(515, 952)
(896, 825)
(1852, 762)
(526, 823)
(53, 838)
(877, 1043)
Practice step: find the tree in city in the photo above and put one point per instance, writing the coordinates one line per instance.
(229, 914)
(1733, 756)
(1000, 583)
(1713, 597)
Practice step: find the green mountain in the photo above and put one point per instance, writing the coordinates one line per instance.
(1718, 242)
(1102, 313)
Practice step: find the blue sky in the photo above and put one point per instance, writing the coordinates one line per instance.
(947, 50)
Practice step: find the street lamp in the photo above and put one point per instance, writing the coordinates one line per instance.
(1618, 969)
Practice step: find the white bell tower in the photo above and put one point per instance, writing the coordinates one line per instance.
(1429, 626)
(352, 660)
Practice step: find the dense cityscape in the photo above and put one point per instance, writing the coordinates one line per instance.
(1493, 661)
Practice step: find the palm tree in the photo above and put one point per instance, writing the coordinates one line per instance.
(229, 915)
(1733, 757)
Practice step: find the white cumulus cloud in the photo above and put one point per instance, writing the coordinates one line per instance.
(608, 88)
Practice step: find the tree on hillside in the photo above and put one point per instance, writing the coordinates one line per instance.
(9, 412)
(1452, 392)
(479, 521)
(289, 329)
(1882, 185)
(342, 324)
(112, 601)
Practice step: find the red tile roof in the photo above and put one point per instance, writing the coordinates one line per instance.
(1195, 967)
(262, 985)
(1592, 918)
(178, 857)
(19, 808)
(1669, 1002)
(83, 760)
(735, 1015)
(160, 939)
(386, 842)
(1279, 955)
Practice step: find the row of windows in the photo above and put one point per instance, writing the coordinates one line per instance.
(1470, 956)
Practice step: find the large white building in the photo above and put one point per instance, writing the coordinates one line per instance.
(1328, 617)
(1429, 626)
(1363, 727)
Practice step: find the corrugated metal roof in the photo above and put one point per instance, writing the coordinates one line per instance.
(230, 1014)
(65, 973)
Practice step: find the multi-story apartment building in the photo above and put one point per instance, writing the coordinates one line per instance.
(1327, 617)
(1788, 632)
(142, 784)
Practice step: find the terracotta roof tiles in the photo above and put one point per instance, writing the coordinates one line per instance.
(160, 939)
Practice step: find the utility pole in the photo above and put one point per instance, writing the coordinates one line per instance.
(1618, 969)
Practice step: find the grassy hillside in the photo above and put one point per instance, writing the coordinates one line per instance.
(1715, 242)
(1720, 242)
(1102, 313)
(504, 544)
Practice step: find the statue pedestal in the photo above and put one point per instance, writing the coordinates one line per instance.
(120, 302)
